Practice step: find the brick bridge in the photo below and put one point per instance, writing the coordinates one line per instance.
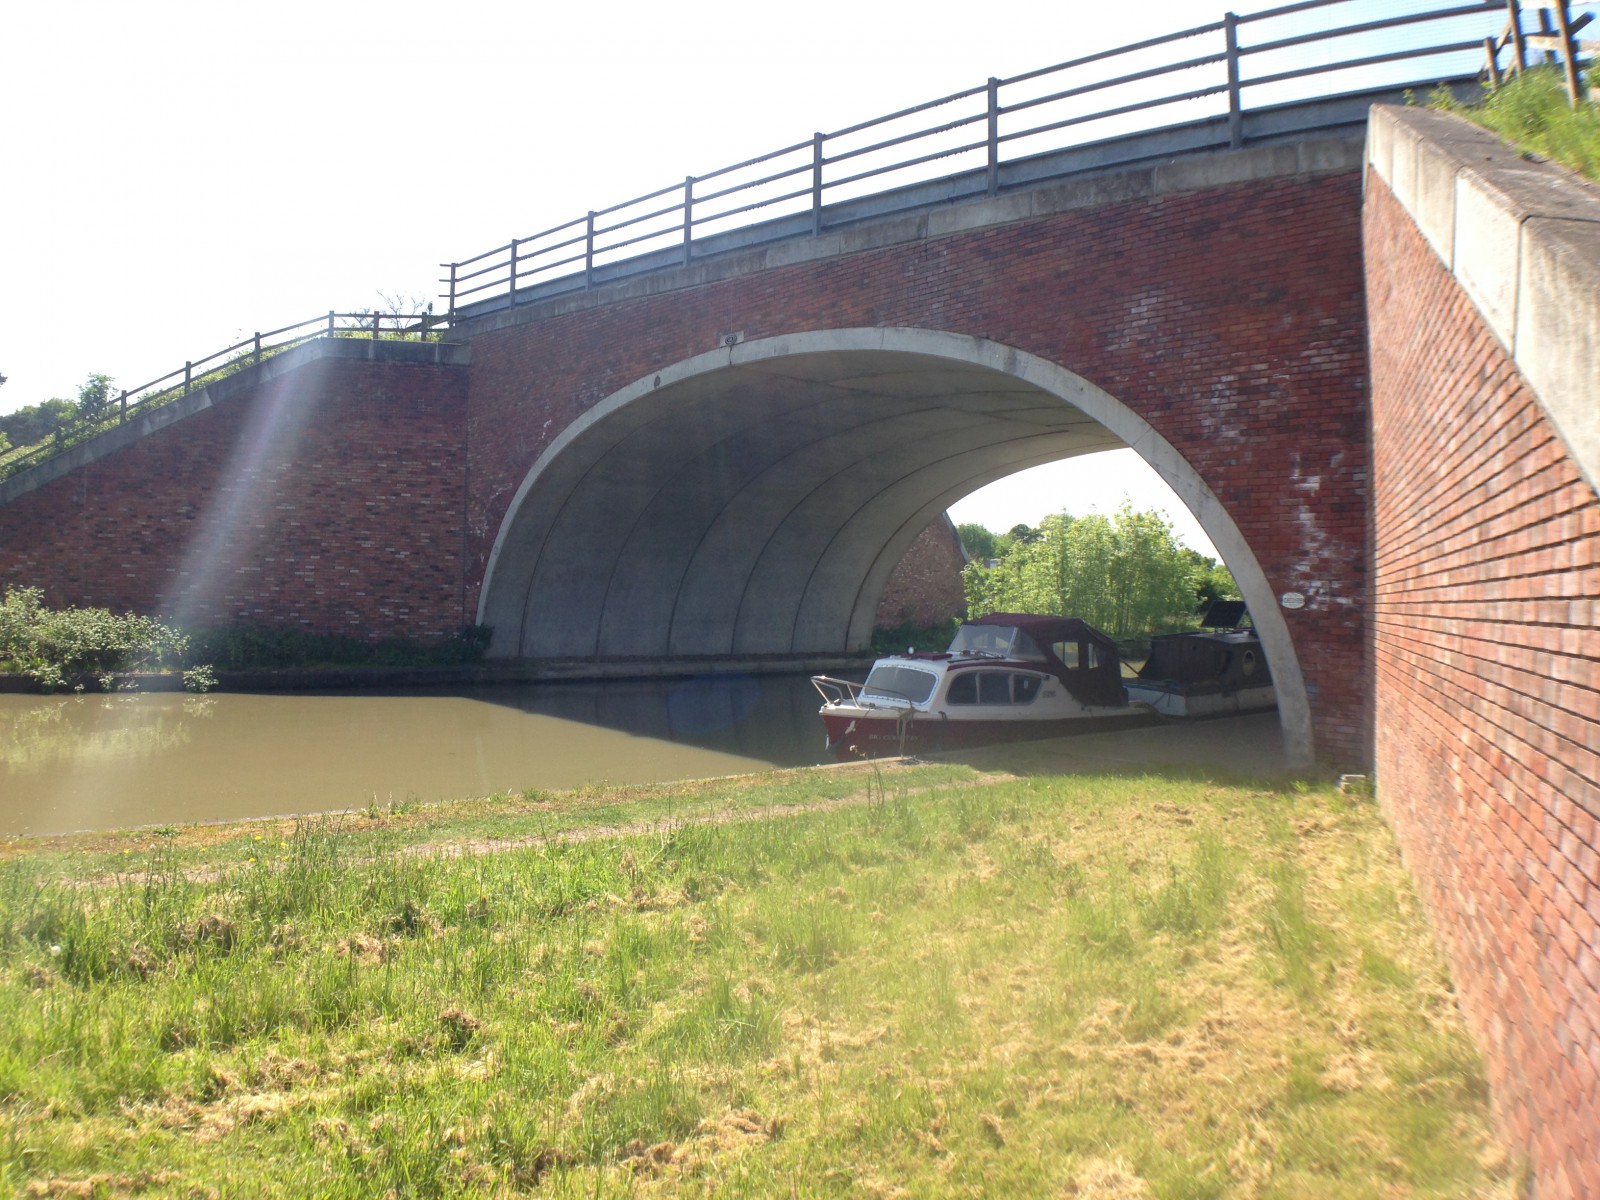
(725, 460)
(721, 461)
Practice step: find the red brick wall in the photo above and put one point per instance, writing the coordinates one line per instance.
(1232, 319)
(925, 586)
(329, 499)
(1486, 599)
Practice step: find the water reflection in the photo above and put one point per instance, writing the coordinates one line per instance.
(104, 762)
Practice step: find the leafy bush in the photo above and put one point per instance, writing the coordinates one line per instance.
(52, 645)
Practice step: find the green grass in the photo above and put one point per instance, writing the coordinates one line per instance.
(877, 981)
(1533, 113)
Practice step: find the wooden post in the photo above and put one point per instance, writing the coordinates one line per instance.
(124, 404)
(1491, 52)
(1569, 52)
(1519, 52)
(188, 376)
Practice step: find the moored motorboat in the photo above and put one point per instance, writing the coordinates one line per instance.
(1210, 672)
(1005, 676)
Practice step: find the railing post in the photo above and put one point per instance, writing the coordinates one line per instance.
(588, 251)
(513, 293)
(330, 322)
(1491, 52)
(451, 311)
(994, 136)
(688, 216)
(376, 317)
(124, 402)
(1230, 26)
(188, 376)
(816, 183)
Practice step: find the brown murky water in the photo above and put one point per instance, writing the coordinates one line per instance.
(106, 762)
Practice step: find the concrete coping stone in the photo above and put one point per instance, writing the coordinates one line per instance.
(1522, 237)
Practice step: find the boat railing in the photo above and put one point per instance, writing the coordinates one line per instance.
(847, 691)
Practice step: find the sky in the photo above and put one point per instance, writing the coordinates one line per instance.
(179, 175)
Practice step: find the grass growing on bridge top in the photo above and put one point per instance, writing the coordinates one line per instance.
(913, 981)
(1532, 112)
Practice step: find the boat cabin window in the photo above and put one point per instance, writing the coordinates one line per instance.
(1078, 654)
(996, 641)
(899, 683)
(992, 687)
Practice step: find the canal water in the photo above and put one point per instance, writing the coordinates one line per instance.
(71, 763)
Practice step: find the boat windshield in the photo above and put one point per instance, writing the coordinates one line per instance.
(892, 682)
(998, 641)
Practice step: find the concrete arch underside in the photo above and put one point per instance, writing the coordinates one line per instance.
(753, 500)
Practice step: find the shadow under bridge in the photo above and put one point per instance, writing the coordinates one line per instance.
(754, 500)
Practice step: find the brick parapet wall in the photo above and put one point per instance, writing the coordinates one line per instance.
(925, 588)
(327, 499)
(1486, 600)
(1232, 319)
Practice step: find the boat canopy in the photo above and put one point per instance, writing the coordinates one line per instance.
(1084, 659)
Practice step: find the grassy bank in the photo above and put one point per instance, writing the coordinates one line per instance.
(906, 982)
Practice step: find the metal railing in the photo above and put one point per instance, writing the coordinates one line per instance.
(201, 372)
(1219, 74)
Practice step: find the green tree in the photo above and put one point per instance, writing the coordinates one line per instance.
(94, 398)
(979, 541)
(1126, 574)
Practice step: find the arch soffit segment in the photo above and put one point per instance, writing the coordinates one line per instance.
(1293, 704)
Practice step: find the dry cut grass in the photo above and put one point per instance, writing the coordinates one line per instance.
(942, 985)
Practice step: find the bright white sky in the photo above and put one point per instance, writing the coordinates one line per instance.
(178, 175)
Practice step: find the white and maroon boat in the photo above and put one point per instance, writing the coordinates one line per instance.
(1005, 676)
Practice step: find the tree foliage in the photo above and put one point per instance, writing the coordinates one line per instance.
(1126, 574)
(51, 645)
(35, 422)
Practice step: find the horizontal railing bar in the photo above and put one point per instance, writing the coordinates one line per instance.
(533, 237)
(847, 155)
(724, 214)
(1102, 55)
(982, 89)
(1179, 98)
(1323, 35)
(642, 217)
(1305, 5)
(702, 197)
(659, 192)
(1370, 61)
(550, 266)
(494, 266)
(1188, 65)
(911, 162)
(476, 257)
(551, 248)
(760, 158)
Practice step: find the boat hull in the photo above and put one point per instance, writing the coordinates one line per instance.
(1191, 703)
(853, 735)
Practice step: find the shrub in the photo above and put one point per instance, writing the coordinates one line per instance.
(51, 645)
